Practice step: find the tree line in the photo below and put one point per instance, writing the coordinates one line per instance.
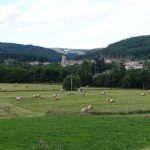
(97, 74)
(119, 77)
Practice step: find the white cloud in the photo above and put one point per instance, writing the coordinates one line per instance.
(73, 23)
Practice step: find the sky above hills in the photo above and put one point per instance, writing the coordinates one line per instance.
(72, 23)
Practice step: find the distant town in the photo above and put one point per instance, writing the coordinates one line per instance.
(64, 62)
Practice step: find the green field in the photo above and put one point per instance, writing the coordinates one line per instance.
(76, 133)
(24, 123)
(125, 100)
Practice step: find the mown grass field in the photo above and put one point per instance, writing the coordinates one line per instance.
(23, 123)
(125, 100)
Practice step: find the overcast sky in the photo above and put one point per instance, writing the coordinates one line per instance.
(72, 23)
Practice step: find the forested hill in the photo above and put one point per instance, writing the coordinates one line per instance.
(136, 47)
(12, 50)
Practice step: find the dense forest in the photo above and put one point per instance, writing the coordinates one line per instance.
(18, 50)
(4, 57)
(134, 47)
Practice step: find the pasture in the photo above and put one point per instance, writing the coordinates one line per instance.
(24, 123)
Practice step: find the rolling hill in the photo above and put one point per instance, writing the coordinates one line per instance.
(134, 47)
(28, 51)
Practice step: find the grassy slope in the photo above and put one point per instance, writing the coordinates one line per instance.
(76, 133)
(125, 100)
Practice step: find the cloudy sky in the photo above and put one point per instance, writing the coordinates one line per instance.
(72, 23)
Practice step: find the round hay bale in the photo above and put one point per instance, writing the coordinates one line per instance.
(54, 95)
(18, 98)
(34, 96)
(142, 94)
(111, 100)
(102, 92)
(38, 95)
(84, 110)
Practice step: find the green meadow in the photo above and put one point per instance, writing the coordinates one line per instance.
(25, 123)
(76, 133)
